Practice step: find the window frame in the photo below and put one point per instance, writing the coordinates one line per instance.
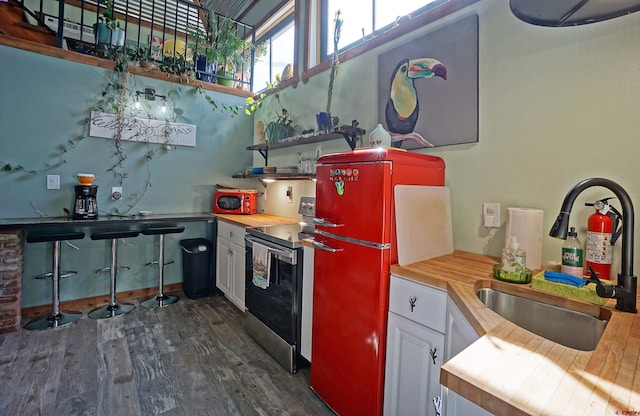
(404, 27)
(269, 34)
(326, 23)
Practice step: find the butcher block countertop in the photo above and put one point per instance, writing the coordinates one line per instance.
(511, 371)
(256, 220)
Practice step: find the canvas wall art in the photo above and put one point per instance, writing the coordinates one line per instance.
(428, 88)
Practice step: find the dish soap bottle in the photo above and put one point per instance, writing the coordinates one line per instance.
(572, 255)
(513, 257)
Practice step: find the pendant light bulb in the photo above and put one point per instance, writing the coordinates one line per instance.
(137, 102)
(164, 106)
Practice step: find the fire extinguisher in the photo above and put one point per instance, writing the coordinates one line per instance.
(600, 238)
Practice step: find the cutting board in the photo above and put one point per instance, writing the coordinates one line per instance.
(423, 222)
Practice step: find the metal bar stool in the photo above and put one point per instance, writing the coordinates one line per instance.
(113, 308)
(57, 318)
(161, 300)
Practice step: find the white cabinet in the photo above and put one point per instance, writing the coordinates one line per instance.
(415, 348)
(459, 335)
(307, 302)
(230, 264)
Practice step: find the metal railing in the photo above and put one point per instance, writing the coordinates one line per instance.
(171, 35)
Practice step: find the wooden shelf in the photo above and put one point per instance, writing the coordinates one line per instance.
(348, 133)
(274, 175)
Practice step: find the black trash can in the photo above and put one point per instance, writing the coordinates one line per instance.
(197, 255)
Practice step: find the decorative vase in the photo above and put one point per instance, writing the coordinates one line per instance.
(324, 120)
(379, 137)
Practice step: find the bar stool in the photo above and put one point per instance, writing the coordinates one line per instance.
(113, 308)
(161, 300)
(57, 318)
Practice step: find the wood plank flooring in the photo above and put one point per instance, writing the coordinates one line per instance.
(191, 358)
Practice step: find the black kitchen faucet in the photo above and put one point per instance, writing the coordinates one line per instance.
(626, 289)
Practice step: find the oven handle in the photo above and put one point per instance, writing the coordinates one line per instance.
(324, 223)
(288, 254)
(325, 247)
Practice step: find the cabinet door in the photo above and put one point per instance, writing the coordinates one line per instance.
(237, 275)
(460, 333)
(223, 266)
(414, 358)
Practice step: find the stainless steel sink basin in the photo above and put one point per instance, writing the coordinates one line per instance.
(567, 327)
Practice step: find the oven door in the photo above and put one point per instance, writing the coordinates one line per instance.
(278, 305)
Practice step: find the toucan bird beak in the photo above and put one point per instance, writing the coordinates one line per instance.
(426, 68)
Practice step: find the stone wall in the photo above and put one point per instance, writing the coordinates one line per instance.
(11, 268)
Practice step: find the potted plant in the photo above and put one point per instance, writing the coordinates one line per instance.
(205, 69)
(324, 119)
(107, 31)
(228, 50)
(282, 126)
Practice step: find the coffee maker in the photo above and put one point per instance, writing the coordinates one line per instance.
(85, 205)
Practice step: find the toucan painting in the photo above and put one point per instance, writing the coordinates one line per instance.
(428, 88)
(403, 107)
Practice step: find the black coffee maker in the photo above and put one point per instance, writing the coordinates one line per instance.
(85, 205)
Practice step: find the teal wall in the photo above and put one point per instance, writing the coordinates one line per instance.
(44, 102)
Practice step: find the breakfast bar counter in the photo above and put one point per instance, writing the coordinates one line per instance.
(511, 371)
(103, 220)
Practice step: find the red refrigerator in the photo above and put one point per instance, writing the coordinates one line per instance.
(354, 245)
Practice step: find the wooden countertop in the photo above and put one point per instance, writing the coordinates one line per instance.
(256, 220)
(511, 371)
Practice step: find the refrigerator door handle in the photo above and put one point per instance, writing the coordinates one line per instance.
(324, 223)
(325, 247)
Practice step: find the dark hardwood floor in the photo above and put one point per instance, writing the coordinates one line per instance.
(191, 358)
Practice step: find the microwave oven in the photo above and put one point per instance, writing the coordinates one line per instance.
(235, 201)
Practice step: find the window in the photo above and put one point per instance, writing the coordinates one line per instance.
(276, 47)
(365, 19)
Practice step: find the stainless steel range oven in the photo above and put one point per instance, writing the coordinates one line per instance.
(273, 315)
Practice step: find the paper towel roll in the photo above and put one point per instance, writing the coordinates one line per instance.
(526, 225)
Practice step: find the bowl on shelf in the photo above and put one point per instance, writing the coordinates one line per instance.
(86, 178)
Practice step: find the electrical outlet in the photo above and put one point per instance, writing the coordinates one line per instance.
(290, 193)
(491, 214)
(53, 181)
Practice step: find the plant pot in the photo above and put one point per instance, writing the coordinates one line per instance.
(224, 81)
(117, 37)
(324, 120)
(106, 36)
(205, 71)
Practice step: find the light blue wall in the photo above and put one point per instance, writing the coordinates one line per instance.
(44, 102)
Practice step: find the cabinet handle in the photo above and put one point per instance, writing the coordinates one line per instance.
(230, 233)
(434, 354)
(437, 405)
(230, 252)
(412, 302)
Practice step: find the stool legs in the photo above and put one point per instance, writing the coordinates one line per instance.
(160, 300)
(56, 318)
(113, 308)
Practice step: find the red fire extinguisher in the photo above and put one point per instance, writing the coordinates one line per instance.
(599, 251)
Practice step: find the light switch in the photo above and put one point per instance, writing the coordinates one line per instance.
(53, 181)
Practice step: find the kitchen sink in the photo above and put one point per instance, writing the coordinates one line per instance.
(565, 326)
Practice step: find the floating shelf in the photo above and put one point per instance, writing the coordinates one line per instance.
(348, 133)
